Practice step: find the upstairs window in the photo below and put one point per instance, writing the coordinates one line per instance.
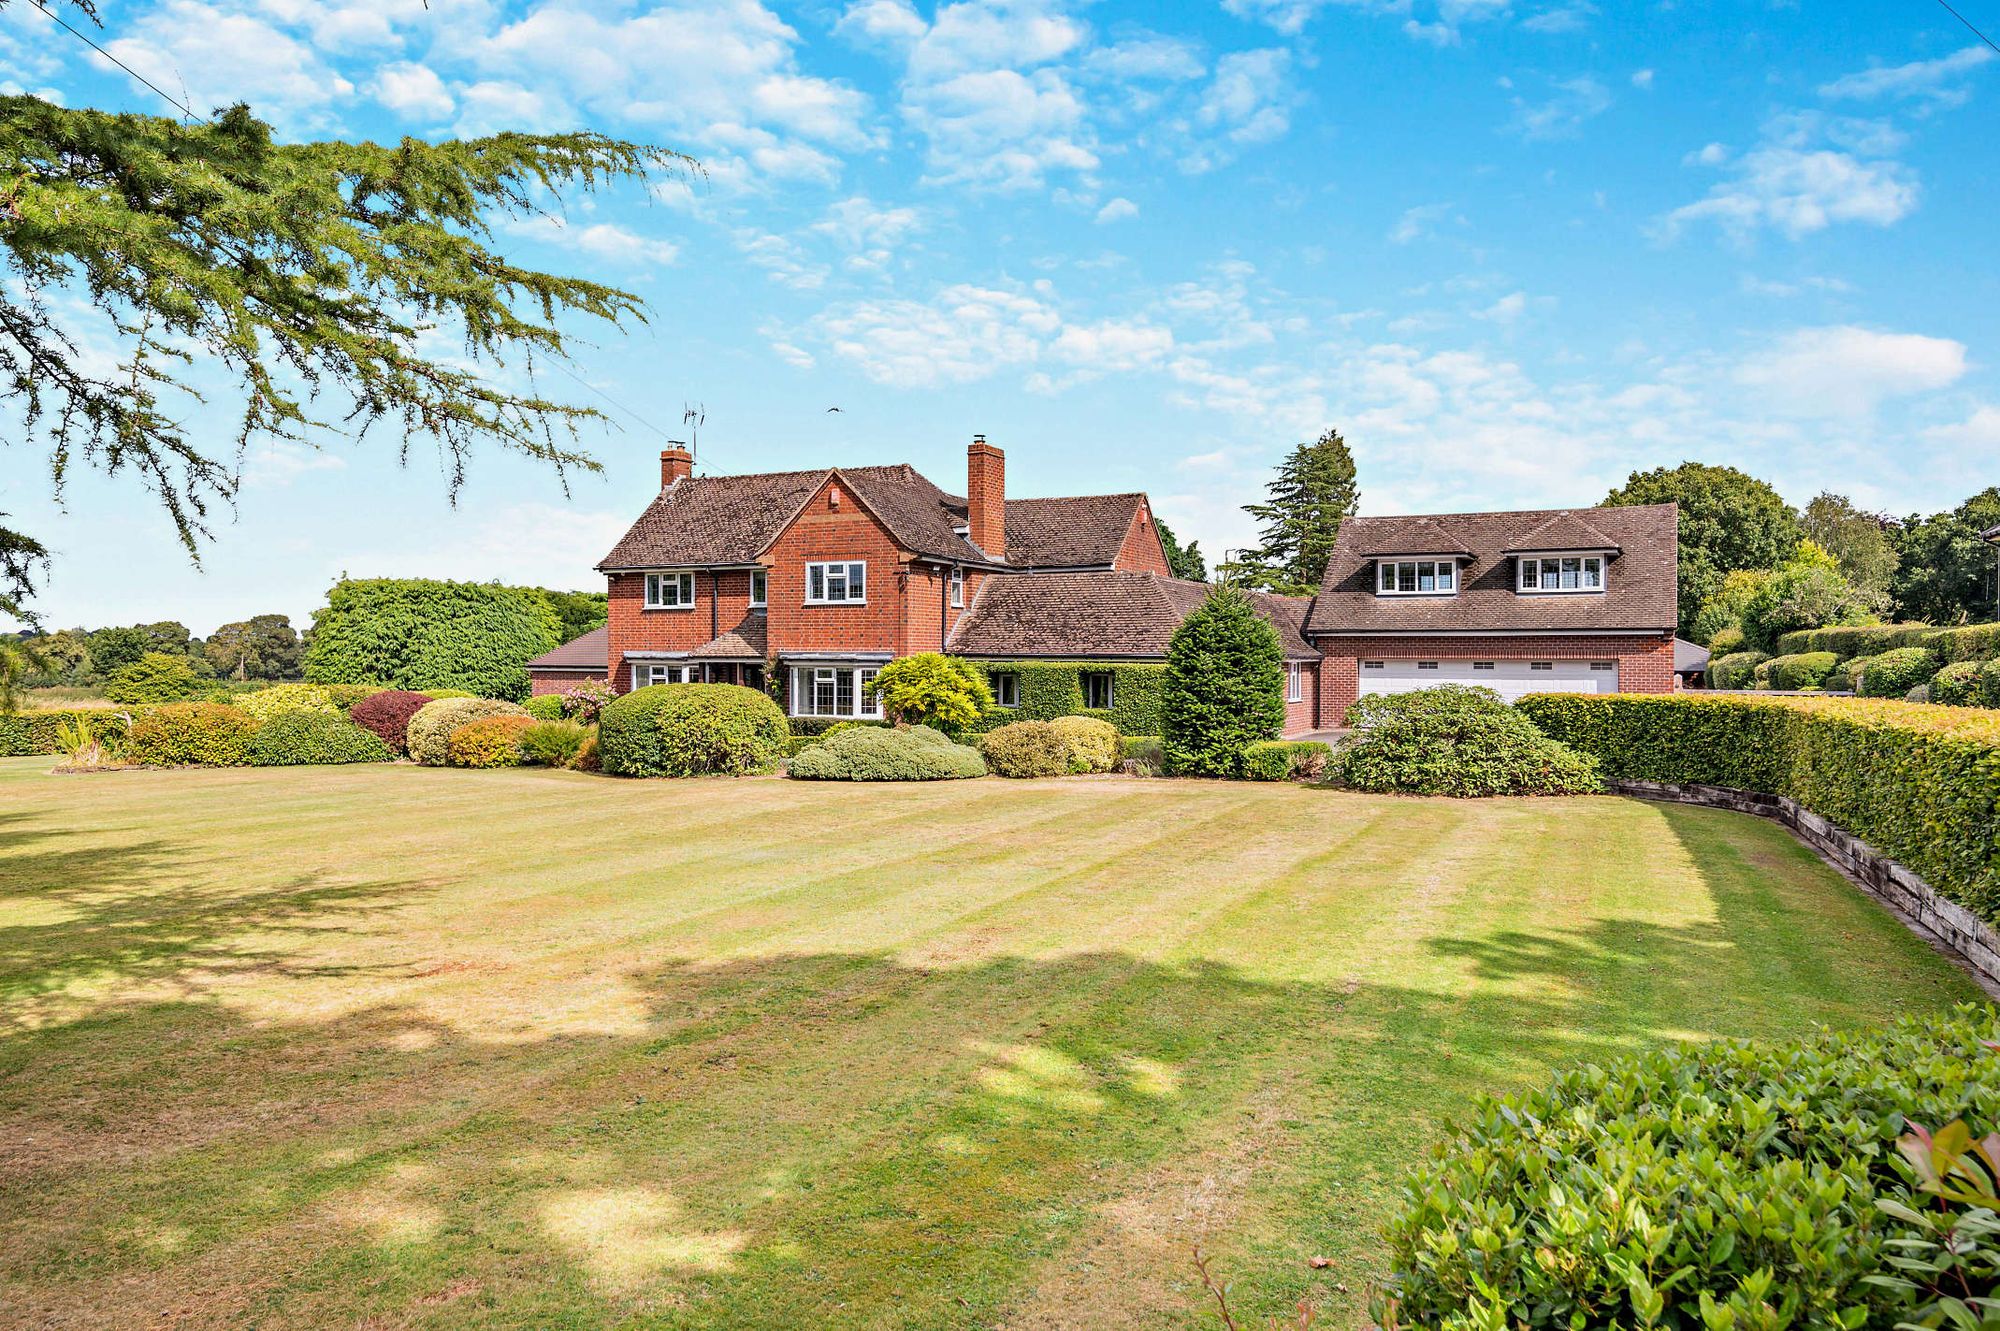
(1416, 577)
(670, 591)
(760, 588)
(1096, 690)
(1006, 688)
(1561, 573)
(836, 584)
(958, 589)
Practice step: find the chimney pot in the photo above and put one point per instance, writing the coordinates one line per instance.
(986, 496)
(675, 463)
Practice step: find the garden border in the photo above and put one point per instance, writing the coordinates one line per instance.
(1945, 925)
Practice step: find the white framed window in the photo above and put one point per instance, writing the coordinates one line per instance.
(760, 588)
(657, 672)
(1096, 689)
(843, 583)
(1416, 577)
(1006, 688)
(670, 591)
(958, 588)
(1374, 665)
(1295, 682)
(1560, 573)
(837, 690)
(1427, 665)
(1603, 665)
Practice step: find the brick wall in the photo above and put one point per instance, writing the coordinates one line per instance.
(928, 592)
(722, 600)
(1645, 661)
(827, 530)
(1303, 716)
(1141, 551)
(555, 681)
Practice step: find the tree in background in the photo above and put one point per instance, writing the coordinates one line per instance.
(1946, 575)
(1183, 561)
(1728, 521)
(1314, 491)
(112, 649)
(1859, 540)
(1807, 591)
(929, 688)
(1724, 610)
(278, 272)
(1224, 688)
(260, 647)
(422, 634)
(154, 677)
(63, 657)
(579, 612)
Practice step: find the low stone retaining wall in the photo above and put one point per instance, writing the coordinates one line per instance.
(1944, 924)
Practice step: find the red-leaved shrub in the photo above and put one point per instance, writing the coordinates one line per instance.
(388, 715)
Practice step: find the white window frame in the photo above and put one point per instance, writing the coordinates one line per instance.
(760, 588)
(1012, 691)
(1110, 689)
(645, 673)
(1443, 574)
(1558, 566)
(683, 586)
(803, 696)
(957, 587)
(823, 574)
(1295, 681)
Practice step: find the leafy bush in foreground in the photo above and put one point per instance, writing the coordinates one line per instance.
(554, 743)
(297, 738)
(428, 736)
(1089, 745)
(1026, 749)
(916, 754)
(1720, 1185)
(491, 741)
(1459, 741)
(204, 734)
(387, 714)
(691, 730)
(1894, 673)
(1224, 688)
(930, 687)
(1287, 760)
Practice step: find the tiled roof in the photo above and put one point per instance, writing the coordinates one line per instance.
(1106, 614)
(1567, 530)
(1409, 536)
(745, 642)
(1639, 582)
(722, 520)
(592, 651)
(1689, 656)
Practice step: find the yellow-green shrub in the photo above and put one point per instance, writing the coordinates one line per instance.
(200, 734)
(1089, 745)
(428, 735)
(1805, 670)
(492, 741)
(280, 699)
(1025, 749)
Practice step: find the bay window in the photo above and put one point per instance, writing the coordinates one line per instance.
(1416, 577)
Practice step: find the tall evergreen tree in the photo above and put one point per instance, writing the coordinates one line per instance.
(1314, 491)
(1183, 561)
(1224, 687)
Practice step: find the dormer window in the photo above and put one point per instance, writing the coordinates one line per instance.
(1416, 577)
(1560, 573)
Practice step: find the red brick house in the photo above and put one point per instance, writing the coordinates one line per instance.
(824, 576)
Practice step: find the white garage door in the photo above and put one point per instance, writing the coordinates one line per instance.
(1510, 679)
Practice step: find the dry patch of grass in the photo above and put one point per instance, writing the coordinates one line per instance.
(408, 1048)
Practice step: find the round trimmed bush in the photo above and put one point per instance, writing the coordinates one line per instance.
(196, 734)
(1734, 671)
(1894, 673)
(292, 739)
(1459, 741)
(1727, 640)
(428, 736)
(1090, 745)
(916, 754)
(1752, 1175)
(284, 699)
(387, 715)
(491, 741)
(545, 706)
(691, 730)
(1025, 749)
(554, 743)
(154, 677)
(1957, 685)
(1805, 670)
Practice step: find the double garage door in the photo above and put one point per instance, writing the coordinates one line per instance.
(1510, 679)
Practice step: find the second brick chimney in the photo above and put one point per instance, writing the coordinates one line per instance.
(675, 463)
(986, 496)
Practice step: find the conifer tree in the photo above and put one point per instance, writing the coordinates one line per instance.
(1224, 688)
(1314, 491)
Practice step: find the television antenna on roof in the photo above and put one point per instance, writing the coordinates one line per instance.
(694, 417)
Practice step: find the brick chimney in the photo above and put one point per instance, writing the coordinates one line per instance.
(986, 496)
(675, 463)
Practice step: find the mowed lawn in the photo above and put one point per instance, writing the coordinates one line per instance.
(393, 1047)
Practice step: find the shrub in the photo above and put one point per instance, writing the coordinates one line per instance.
(545, 707)
(1140, 755)
(813, 726)
(1848, 672)
(1894, 673)
(1026, 749)
(692, 730)
(1286, 760)
(916, 754)
(1735, 670)
(1090, 745)
(26, 733)
(416, 633)
(87, 742)
(490, 741)
(1919, 784)
(1969, 642)
(1459, 741)
(1726, 640)
(931, 688)
(1957, 685)
(1803, 671)
(280, 699)
(387, 715)
(1225, 686)
(1856, 639)
(344, 696)
(204, 734)
(428, 735)
(1701, 1185)
(154, 677)
(297, 738)
(583, 700)
(1807, 590)
(553, 743)
(1989, 683)
(589, 758)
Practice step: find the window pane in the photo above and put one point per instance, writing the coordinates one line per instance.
(759, 588)
(869, 706)
(1427, 576)
(1447, 577)
(815, 582)
(1531, 574)
(1406, 577)
(857, 582)
(1593, 572)
(844, 692)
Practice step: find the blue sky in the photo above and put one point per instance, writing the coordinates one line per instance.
(1512, 250)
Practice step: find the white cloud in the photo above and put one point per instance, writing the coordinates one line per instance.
(212, 57)
(1642, 79)
(1117, 210)
(1937, 82)
(1980, 431)
(1438, 23)
(1002, 128)
(1419, 222)
(1848, 371)
(1806, 176)
(887, 21)
(412, 90)
(1152, 57)
(965, 334)
(1248, 99)
(1562, 19)
(1563, 114)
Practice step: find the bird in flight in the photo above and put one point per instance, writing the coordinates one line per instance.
(831, 409)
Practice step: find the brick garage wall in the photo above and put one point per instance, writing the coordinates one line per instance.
(1141, 551)
(721, 602)
(1645, 661)
(1303, 716)
(555, 681)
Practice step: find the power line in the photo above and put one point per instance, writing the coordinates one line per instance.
(182, 107)
(1968, 24)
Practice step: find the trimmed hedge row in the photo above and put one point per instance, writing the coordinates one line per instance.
(1286, 760)
(1920, 784)
(1049, 689)
(1968, 642)
(29, 734)
(878, 754)
(1806, 670)
(1736, 670)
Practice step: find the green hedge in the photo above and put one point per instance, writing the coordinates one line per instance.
(1968, 642)
(417, 633)
(1920, 784)
(27, 734)
(1734, 671)
(1806, 670)
(292, 739)
(1049, 689)
(877, 754)
(1895, 672)
(691, 730)
(1286, 760)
